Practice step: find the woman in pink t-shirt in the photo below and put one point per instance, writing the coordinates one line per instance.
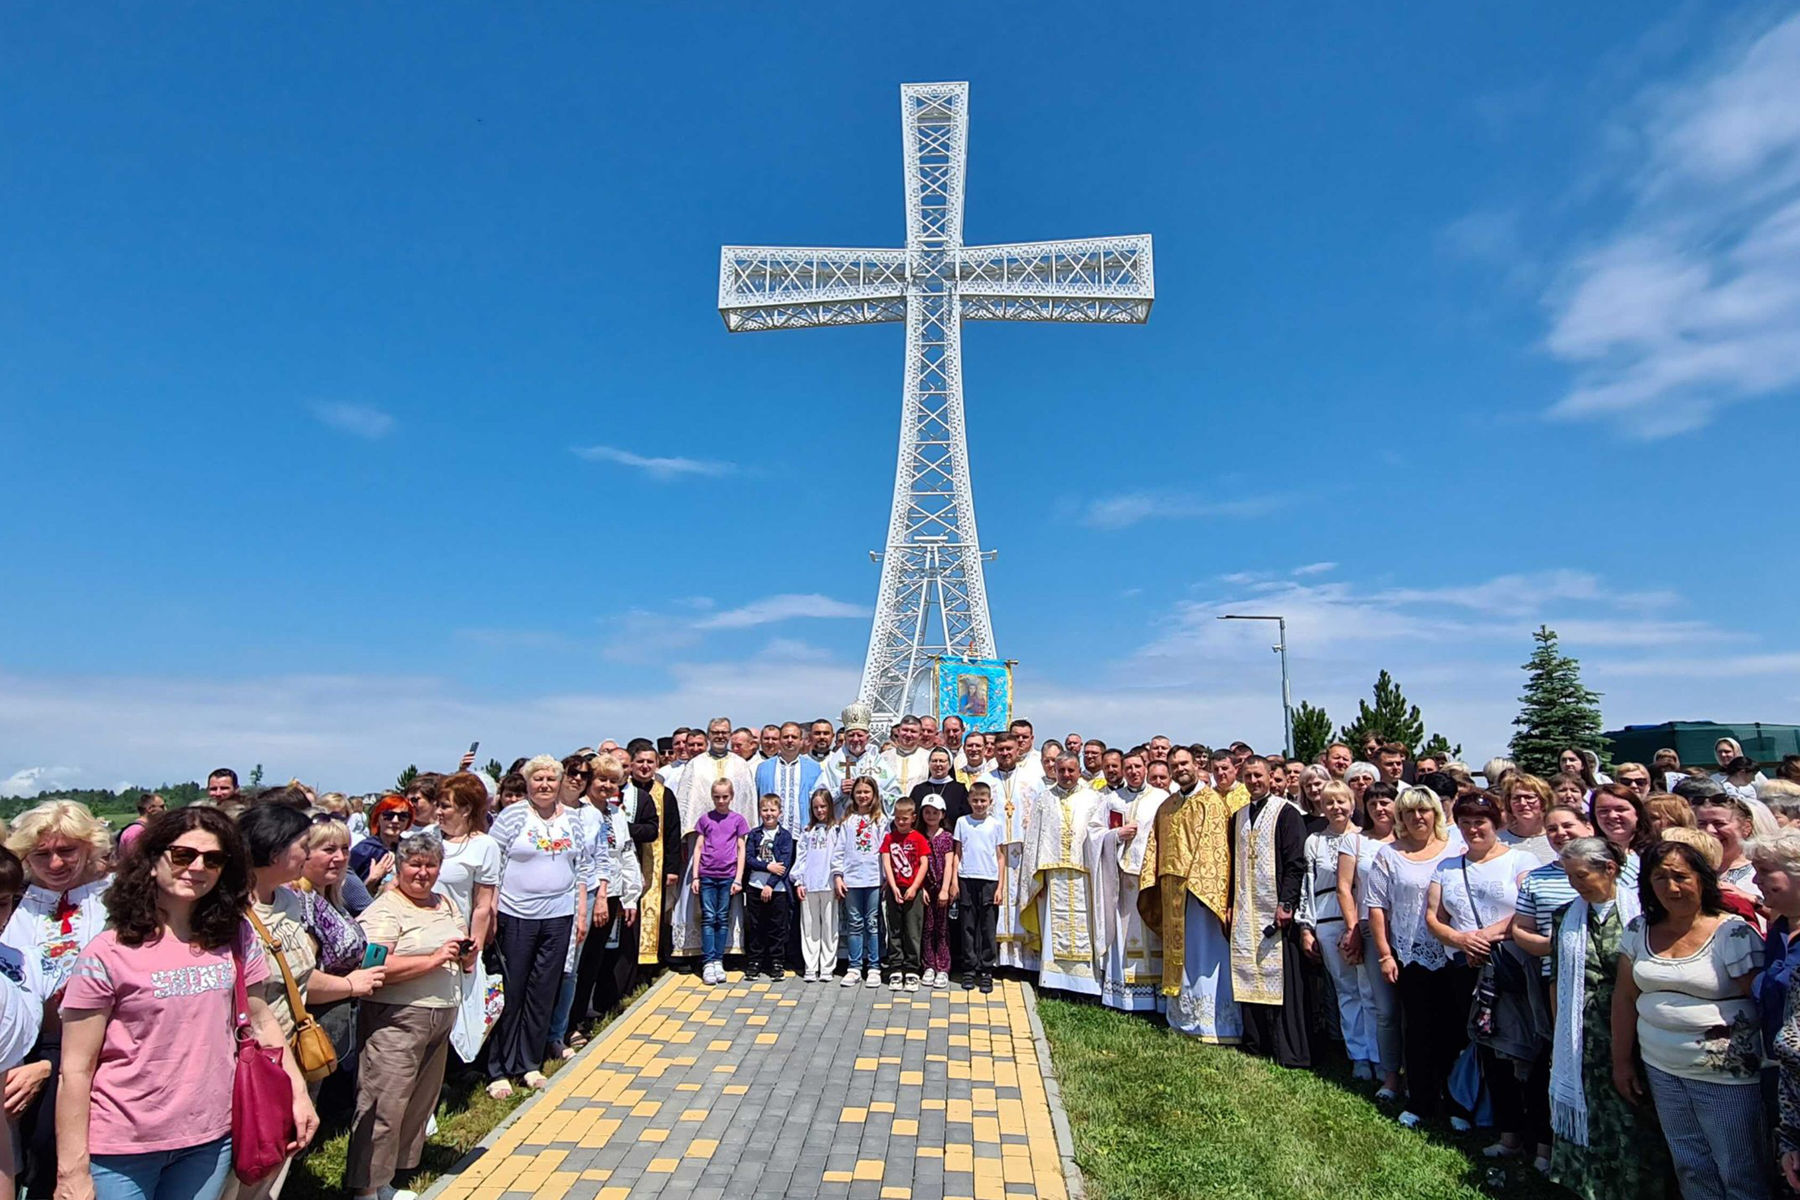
(144, 1107)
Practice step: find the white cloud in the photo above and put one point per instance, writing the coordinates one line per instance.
(30, 781)
(1691, 302)
(357, 420)
(1129, 508)
(663, 469)
(1318, 568)
(781, 608)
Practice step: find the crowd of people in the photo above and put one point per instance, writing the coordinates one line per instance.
(1594, 965)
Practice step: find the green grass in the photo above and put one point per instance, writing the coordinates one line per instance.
(1160, 1116)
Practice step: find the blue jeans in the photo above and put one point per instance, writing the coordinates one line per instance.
(862, 926)
(559, 1017)
(191, 1173)
(715, 918)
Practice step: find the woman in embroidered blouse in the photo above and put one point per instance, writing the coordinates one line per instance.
(545, 874)
(1683, 996)
(63, 847)
(1413, 961)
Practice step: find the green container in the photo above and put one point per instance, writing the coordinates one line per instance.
(1694, 741)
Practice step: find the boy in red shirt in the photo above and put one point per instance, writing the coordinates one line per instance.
(905, 852)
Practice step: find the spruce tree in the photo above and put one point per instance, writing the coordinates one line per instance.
(406, 777)
(1556, 711)
(1389, 719)
(1312, 732)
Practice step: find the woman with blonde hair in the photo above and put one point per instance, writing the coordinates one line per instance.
(64, 848)
(1663, 812)
(1414, 961)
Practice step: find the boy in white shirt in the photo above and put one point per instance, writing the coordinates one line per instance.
(981, 873)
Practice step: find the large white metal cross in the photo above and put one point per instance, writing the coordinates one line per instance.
(933, 599)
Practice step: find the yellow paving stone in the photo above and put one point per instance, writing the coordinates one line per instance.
(744, 1012)
(893, 1060)
(959, 1039)
(881, 1106)
(982, 1098)
(662, 1166)
(837, 1177)
(685, 1060)
(937, 1058)
(874, 1032)
(725, 1069)
(683, 1038)
(930, 1152)
(654, 1135)
(932, 1102)
(915, 1035)
(854, 1115)
(600, 1134)
(767, 1039)
(959, 1157)
(958, 1110)
(868, 1168)
(788, 1004)
(702, 1147)
(866, 1064)
(694, 1114)
(896, 1193)
(687, 1087)
(939, 1023)
(597, 1174)
(906, 1127)
(646, 1108)
(895, 1029)
(987, 1129)
(912, 1078)
(613, 1193)
(958, 1070)
(758, 1019)
(556, 1186)
(630, 1096)
(736, 1089)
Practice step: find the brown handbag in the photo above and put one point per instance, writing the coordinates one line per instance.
(309, 1043)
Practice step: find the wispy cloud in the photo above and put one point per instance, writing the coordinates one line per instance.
(1691, 301)
(664, 469)
(1318, 568)
(1129, 508)
(357, 420)
(781, 608)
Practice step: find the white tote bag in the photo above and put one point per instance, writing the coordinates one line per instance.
(483, 996)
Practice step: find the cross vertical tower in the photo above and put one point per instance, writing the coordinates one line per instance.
(933, 598)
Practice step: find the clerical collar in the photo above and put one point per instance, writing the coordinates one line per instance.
(937, 782)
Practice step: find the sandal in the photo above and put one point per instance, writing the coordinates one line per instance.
(577, 1041)
(535, 1080)
(499, 1089)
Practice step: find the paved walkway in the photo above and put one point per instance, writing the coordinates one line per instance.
(791, 1089)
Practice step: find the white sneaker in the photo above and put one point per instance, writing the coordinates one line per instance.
(1409, 1119)
(872, 978)
(849, 979)
(895, 982)
(912, 983)
(808, 977)
(1460, 1124)
(943, 979)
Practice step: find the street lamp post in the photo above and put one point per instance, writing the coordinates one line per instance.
(1280, 647)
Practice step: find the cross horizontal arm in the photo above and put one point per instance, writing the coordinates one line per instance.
(777, 287)
(1093, 279)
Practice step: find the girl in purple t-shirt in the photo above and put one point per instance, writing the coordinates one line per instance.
(721, 848)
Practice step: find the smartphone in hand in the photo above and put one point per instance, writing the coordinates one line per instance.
(374, 955)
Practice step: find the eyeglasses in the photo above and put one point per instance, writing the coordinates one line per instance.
(182, 857)
(326, 818)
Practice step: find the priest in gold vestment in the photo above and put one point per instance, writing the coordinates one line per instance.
(1186, 899)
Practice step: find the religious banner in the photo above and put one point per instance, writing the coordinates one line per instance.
(979, 690)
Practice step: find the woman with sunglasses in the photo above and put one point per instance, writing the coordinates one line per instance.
(148, 1043)
(64, 849)
(372, 859)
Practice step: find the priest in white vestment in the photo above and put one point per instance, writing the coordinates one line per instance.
(1130, 953)
(1059, 902)
(1012, 795)
(909, 759)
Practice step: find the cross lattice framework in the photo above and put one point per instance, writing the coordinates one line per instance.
(933, 598)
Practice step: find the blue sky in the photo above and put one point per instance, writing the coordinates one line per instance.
(364, 393)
